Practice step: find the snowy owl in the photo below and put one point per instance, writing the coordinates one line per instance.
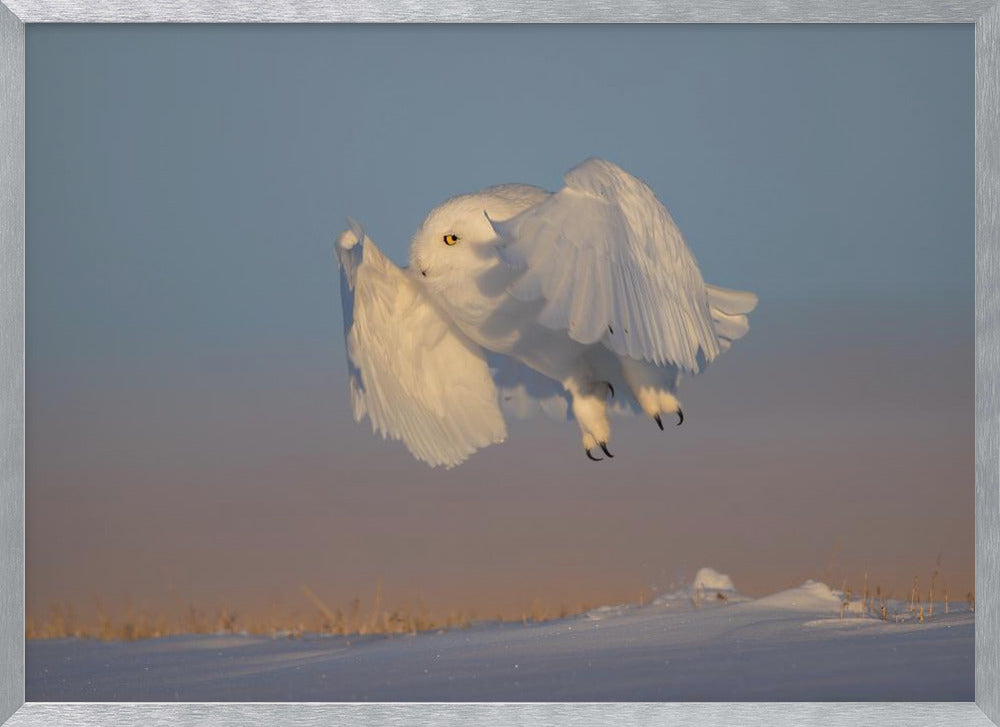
(573, 303)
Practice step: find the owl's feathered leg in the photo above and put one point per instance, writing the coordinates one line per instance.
(590, 407)
(654, 388)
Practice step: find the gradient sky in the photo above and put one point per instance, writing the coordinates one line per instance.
(189, 438)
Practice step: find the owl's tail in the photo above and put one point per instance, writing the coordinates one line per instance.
(729, 310)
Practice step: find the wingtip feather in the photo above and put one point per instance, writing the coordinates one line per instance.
(734, 302)
(350, 237)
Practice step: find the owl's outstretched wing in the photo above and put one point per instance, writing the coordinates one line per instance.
(416, 377)
(611, 266)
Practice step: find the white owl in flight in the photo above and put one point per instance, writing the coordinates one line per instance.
(520, 300)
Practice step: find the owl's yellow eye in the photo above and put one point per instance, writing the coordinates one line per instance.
(450, 239)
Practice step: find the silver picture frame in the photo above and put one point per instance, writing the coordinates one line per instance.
(984, 14)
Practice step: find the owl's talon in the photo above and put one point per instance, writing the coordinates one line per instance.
(604, 446)
(592, 457)
(659, 422)
(680, 417)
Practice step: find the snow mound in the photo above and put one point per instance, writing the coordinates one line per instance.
(842, 623)
(602, 612)
(810, 596)
(708, 586)
(709, 579)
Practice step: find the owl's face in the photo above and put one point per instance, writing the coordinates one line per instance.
(454, 243)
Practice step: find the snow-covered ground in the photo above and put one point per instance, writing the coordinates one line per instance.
(703, 643)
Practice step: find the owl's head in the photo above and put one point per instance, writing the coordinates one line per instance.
(456, 241)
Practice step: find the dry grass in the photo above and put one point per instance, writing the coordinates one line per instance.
(914, 607)
(61, 622)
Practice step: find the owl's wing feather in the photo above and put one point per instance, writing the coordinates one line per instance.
(729, 313)
(611, 266)
(415, 376)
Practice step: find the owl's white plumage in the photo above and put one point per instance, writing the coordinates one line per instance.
(519, 298)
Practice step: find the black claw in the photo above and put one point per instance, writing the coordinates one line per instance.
(604, 446)
(659, 422)
(611, 389)
(680, 417)
(590, 456)
(611, 330)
